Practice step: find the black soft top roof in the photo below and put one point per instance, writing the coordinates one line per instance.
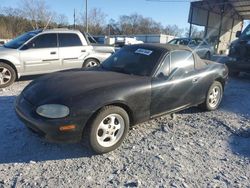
(199, 63)
(167, 47)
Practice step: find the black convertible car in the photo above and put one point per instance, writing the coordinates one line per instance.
(137, 83)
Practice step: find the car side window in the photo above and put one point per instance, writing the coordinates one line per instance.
(69, 39)
(164, 70)
(182, 61)
(183, 42)
(174, 41)
(201, 42)
(44, 41)
(193, 43)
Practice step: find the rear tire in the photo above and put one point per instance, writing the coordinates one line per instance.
(7, 75)
(108, 129)
(90, 63)
(214, 97)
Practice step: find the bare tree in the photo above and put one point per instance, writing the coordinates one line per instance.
(37, 12)
(62, 20)
(96, 21)
(195, 32)
(173, 30)
(12, 23)
(113, 28)
(137, 24)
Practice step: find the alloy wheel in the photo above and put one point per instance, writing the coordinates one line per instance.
(5, 75)
(110, 130)
(91, 64)
(214, 96)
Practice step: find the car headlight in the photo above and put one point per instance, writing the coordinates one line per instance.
(53, 111)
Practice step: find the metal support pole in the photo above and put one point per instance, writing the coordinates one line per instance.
(74, 18)
(231, 33)
(86, 12)
(206, 27)
(221, 21)
(219, 35)
(191, 20)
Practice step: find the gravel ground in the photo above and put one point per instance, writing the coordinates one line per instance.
(195, 149)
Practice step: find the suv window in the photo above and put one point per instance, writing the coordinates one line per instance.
(201, 42)
(246, 33)
(179, 41)
(69, 39)
(193, 42)
(182, 59)
(44, 41)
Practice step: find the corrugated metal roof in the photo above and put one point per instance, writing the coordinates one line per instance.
(240, 8)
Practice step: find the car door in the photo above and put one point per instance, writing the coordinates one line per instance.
(40, 55)
(175, 83)
(71, 50)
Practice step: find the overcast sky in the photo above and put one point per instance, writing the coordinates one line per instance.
(164, 12)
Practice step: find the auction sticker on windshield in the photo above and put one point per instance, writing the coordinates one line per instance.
(143, 51)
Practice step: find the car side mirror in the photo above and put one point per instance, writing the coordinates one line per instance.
(238, 34)
(161, 76)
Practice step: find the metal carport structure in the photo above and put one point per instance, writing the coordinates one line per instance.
(221, 19)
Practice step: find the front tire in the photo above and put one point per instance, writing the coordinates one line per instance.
(7, 75)
(108, 129)
(214, 97)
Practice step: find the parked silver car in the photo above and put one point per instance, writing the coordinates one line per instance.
(201, 47)
(45, 51)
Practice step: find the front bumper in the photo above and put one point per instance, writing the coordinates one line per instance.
(235, 64)
(48, 128)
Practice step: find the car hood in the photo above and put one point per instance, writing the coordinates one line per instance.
(64, 86)
(4, 50)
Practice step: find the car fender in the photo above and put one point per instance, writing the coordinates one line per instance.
(14, 61)
(97, 55)
(134, 99)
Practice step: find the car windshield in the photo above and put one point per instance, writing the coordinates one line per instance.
(136, 60)
(19, 41)
(179, 41)
(246, 33)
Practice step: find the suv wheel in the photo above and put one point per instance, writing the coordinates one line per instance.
(90, 63)
(7, 75)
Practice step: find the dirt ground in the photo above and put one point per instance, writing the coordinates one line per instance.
(196, 149)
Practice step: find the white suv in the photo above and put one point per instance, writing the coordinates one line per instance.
(45, 51)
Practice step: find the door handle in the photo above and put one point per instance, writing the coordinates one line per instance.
(83, 50)
(52, 53)
(195, 80)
